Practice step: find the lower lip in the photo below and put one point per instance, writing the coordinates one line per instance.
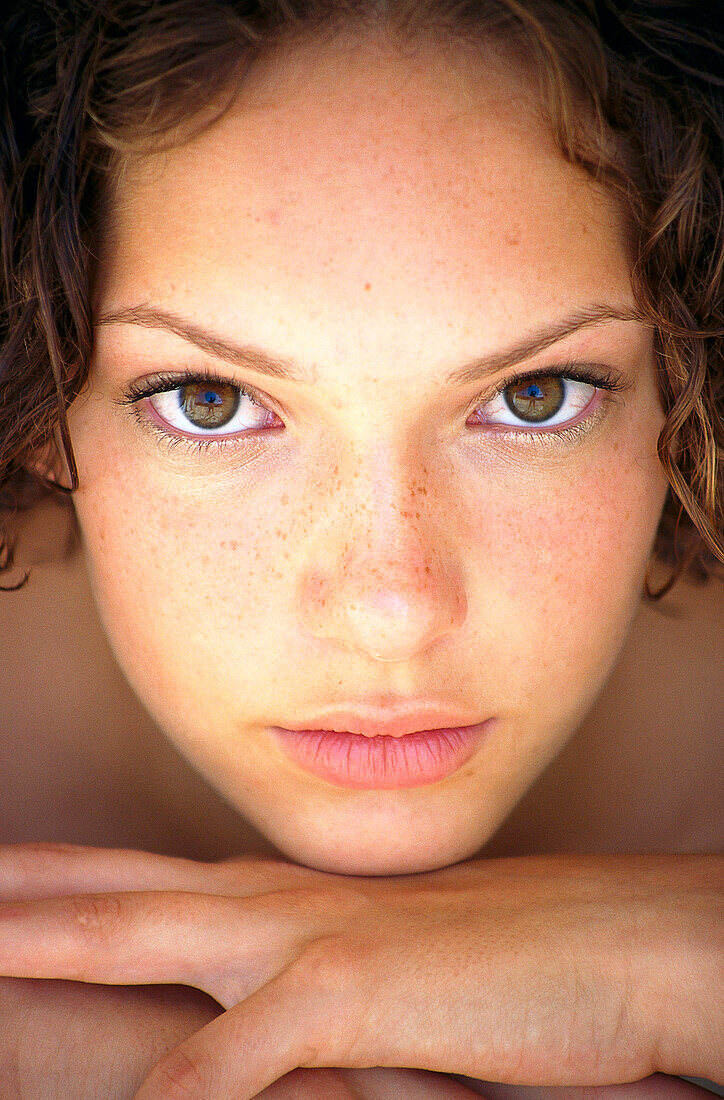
(350, 760)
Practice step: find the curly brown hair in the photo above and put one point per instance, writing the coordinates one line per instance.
(630, 89)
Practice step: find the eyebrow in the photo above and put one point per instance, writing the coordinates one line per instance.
(251, 357)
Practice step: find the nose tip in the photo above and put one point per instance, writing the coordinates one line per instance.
(382, 575)
(390, 613)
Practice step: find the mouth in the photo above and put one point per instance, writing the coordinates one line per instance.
(385, 719)
(378, 760)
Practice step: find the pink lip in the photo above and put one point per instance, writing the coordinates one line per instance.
(382, 761)
(385, 720)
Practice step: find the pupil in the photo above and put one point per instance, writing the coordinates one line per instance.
(536, 401)
(207, 408)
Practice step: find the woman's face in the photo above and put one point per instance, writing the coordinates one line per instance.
(373, 534)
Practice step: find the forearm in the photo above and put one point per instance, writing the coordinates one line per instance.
(680, 986)
(655, 1087)
(63, 1038)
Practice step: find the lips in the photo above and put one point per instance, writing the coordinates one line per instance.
(379, 761)
(392, 721)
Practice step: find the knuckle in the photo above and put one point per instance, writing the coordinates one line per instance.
(178, 1076)
(327, 960)
(96, 916)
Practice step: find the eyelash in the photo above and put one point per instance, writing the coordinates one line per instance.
(600, 376)
(603, 378)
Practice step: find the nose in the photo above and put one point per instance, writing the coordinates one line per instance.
(380, 577)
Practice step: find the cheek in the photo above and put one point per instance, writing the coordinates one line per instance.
(184, 580)
(562, 547)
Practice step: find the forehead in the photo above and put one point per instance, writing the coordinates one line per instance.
(350, 181)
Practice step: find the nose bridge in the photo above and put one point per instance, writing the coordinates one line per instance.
(385, 493)
(387, 508)
(382, 576)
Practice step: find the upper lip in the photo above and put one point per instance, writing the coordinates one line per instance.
(392, 720)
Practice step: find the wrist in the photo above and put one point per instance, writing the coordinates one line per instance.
(680, 971)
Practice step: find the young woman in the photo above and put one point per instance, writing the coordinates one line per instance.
(378, 346)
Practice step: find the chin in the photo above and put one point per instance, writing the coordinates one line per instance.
(348, 861)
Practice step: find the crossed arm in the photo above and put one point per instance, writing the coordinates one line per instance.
(541, 973)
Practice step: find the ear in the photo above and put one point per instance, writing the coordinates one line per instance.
(47, 463)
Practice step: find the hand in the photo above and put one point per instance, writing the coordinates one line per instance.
(63, 1038)
(543, 952)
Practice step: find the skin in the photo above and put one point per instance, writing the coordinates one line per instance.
(381, 218)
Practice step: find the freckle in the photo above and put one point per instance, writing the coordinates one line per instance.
(273, 216)
(368, 286)
(233, 544)
(284, 498)
(511, 238)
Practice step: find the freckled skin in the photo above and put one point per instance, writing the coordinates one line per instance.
(382, 220)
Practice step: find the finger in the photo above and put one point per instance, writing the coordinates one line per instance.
(225, 946)
(287, 1023)
(30, 871)
(273, 1032)
(38, 870)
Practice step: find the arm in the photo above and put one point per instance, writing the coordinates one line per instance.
(61, 1038)
(655, 1087)
(544, 970)
(680, 983)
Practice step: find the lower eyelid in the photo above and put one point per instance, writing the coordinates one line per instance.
(567, 432)
(172, 438)
(574, 430)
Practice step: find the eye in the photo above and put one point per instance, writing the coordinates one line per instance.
(541, 400)
(205, 407)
